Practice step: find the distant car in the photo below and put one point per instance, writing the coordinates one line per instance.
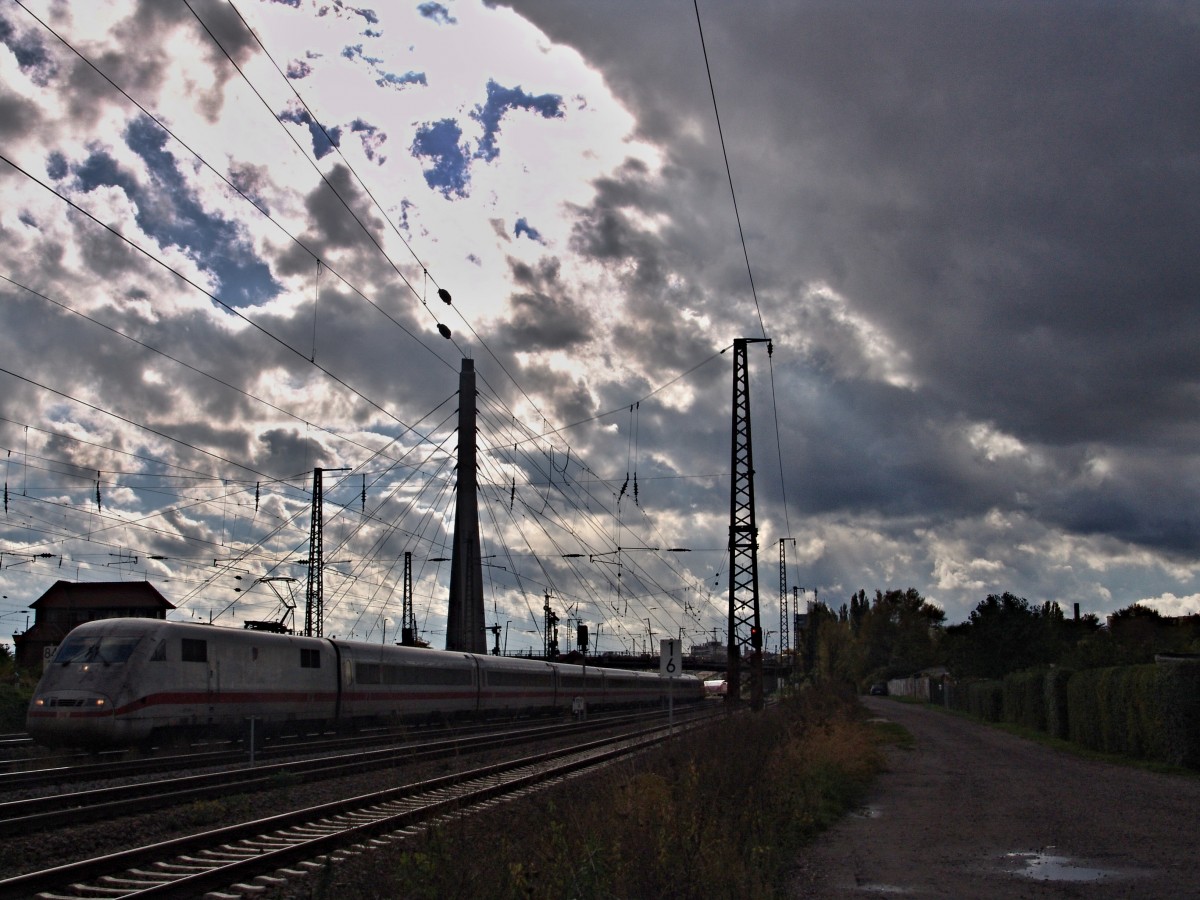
(878, 689)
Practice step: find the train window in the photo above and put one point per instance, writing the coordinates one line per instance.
(105, 650)
(310, 658)
(160, 652)
(426, 675)
(367, 673)
(519, 679)
(194, 650)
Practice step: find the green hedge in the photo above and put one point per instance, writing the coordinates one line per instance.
(985, 700)
(1180, 689)
(1118, 710)
(1054, 687)
(1025, 699)
(1149, 711)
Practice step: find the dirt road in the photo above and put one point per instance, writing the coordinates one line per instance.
(972, 812)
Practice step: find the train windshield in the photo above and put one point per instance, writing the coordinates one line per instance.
(105, 650)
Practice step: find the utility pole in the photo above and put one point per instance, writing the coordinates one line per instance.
(314, 595)
(745, 630)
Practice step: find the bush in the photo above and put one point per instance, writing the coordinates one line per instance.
(14, 703)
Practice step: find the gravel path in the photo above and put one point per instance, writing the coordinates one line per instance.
(972, 812)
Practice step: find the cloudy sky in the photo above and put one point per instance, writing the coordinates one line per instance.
(967, 227)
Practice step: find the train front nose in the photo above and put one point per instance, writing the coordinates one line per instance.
(70, 719)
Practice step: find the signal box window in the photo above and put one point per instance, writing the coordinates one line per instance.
(310, 658)
(194, 650)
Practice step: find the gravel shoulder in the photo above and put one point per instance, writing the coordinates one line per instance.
(971, 811)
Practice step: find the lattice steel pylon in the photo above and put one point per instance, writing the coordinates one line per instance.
(314, 597)
(745, 631)
(314, 594)
(785, 619)
(408, 618)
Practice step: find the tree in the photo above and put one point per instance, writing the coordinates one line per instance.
(1005, 634)
(899, 633)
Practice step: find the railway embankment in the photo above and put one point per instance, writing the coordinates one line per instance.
(720, 811)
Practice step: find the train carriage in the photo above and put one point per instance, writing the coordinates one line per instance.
(122, 682)
(382, 683)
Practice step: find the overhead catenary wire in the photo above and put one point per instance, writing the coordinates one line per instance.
(746, 256)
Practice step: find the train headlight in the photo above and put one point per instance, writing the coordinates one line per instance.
(39, 701)
(99, 701)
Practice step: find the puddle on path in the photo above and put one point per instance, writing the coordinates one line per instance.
(867, 812)
(1048, 867)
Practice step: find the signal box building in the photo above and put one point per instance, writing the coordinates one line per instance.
(67, 604)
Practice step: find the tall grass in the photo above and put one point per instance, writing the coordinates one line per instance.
(720, 812)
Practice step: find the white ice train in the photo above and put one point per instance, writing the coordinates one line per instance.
(126, 682)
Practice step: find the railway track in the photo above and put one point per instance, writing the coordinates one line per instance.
(281, 847)
(76, 807)
(82, 767)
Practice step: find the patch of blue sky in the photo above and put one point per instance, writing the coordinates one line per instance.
(441, 143)
(372, 139)
(355, 51)
(29, 52)
(323, 139)
(298, 69)
(500, 100)
(401, 81)
(524, 228)
(402, 222)
(438, 13)
(169, 212)
(56, 165)
(368, 14)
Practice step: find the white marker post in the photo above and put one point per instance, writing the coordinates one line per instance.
(670, 663)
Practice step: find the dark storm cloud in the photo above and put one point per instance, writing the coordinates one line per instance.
(1005, 191)
(339, 213)
(17, 116)
(544, 318)
(287, 451)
